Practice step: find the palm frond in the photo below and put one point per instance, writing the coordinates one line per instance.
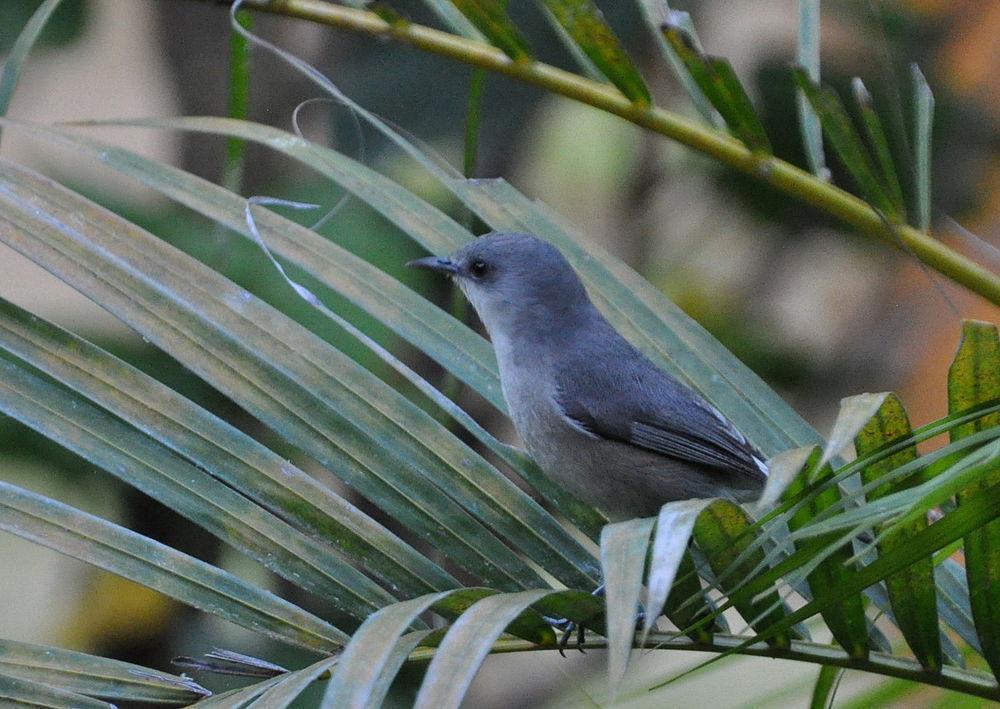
(94, 676)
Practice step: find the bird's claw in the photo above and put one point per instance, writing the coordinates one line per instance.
(567, 627)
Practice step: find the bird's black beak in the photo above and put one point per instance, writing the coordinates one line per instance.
(440, 264)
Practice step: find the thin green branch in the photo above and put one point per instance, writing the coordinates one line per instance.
(474, 110)
(969, 682)
(239, 101)
(768, 169)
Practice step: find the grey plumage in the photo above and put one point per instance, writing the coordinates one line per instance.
(593, 411)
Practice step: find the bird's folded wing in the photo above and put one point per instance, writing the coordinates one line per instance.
(692, 431)
(715, 448)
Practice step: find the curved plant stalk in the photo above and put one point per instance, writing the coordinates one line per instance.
(768, 169)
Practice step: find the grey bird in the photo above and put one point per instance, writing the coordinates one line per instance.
(595, 413)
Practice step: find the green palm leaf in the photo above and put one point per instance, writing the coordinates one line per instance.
(214, 446)
(23, 692)
(139, 559)
(339, 412)
(219, 509)
(95, 676)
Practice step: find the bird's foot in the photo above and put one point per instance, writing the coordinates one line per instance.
(567, 627)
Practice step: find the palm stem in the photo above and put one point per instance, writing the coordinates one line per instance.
(969, 682)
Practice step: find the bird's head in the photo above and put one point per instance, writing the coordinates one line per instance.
(513, 280)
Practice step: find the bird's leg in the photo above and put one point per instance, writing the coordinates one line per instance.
(581, 636)
(567, 626)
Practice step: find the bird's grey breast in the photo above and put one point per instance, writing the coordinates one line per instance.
(526, 380)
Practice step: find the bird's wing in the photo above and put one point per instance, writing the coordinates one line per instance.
(719, 446)
(651, 410)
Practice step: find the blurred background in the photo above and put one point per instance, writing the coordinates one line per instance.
(819, 312)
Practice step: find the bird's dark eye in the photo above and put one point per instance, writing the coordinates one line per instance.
(478, 268)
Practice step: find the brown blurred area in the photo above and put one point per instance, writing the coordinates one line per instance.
(967, 64)
(969, 57)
